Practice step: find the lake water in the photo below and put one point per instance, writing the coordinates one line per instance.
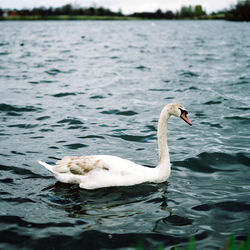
(97, 87)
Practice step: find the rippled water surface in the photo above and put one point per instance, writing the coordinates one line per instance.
(80, 88)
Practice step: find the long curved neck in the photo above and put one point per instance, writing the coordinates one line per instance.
(164, 159)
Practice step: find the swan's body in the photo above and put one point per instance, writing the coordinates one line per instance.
(97, 171)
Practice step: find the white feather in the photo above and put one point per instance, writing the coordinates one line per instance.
(98, 171)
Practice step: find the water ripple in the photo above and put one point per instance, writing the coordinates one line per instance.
(76, 145)
(99, 89)
(118, 112)
(6, 107)
(231, 206)
(135, 138)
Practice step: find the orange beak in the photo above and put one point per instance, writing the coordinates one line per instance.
(185, 118)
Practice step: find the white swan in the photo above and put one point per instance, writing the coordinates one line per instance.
(98, 171)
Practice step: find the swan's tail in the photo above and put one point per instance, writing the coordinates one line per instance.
(46, 165)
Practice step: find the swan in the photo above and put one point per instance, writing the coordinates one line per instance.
(99, 171)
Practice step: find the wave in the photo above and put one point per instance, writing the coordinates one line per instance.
(160, 90)
(241, 108)
(15, 108)
(4, 44)
(71, 121)
(20, 171)
(53, 72)
(46, 130)
(41, 118)
(26, 126)
(64, 94)
(7, 180)
(92, 238)
(67, 94)
(136, 138)
(17, 153)
(47, 81)
(12, 219)
(188, 74)
(212, 102)
(76, 145)
(59, 200)
(215, 125)
(18, 200)
(97, 97)
(213, 162)
(91, 136)
(118, 112)
(186, 89)
(178, 220)
(238, 118)
(231, 206)
(143, 68)
(5, 53)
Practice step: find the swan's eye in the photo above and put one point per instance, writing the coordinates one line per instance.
(183, 111)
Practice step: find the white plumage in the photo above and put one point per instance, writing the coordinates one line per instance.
(97, 171)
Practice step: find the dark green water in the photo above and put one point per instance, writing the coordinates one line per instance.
(80, 88)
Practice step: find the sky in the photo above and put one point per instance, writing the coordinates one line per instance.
(126, 6)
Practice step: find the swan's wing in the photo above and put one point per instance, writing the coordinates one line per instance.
(101, 171)
(79, 165)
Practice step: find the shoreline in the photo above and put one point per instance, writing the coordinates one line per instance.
(99, 18)
(67, 18)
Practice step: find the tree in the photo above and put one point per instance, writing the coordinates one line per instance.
(158, 14)
(169, 14)
(67, 9)
(198, 11)
(241, 12)
(186, 11)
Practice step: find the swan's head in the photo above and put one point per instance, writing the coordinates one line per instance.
(179, 111)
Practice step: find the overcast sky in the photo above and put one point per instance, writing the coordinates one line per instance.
(127, 6)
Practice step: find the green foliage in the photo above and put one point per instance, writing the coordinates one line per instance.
(191, 245)
(68, 10)
(191, 11)
(231, 245)
(241, 12)
(72, 12)
(66, 17)
(198, 11)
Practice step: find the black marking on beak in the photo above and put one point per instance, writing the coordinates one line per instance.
(184, 116)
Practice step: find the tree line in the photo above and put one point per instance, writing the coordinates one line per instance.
(67, 9)
(185, 12)
(240, 12)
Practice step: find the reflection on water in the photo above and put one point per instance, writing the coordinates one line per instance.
(80, 88)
